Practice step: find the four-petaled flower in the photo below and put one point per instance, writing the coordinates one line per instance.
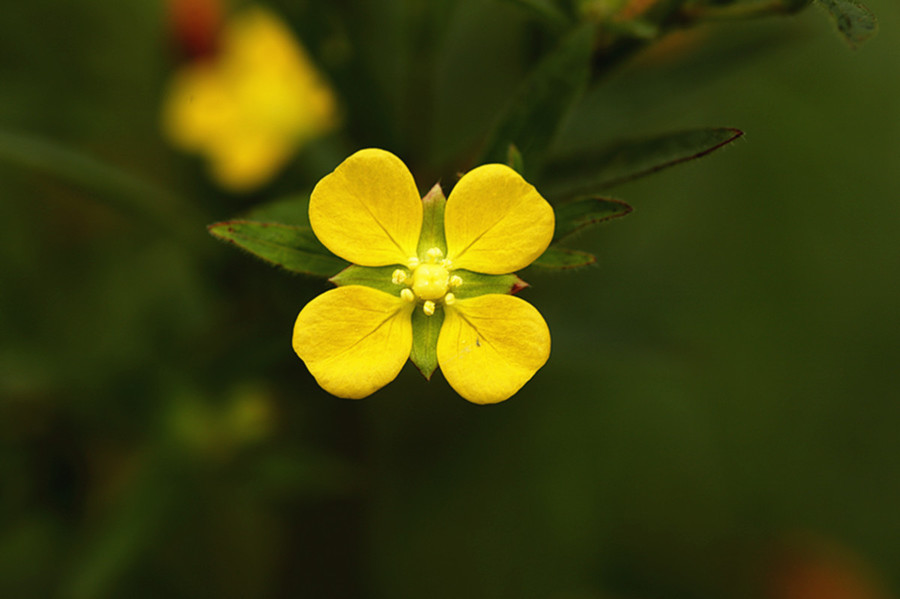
(250, 105)
(355, 339)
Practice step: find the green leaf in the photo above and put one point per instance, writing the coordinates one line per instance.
(293, 248)
(432, 235)
(854, 21)
(537, 109)
(119, 189)
(425, 336)
(578, 214)
(475, 284)
(594, 170)
(558, 258)
(376, 277)
(287, 210)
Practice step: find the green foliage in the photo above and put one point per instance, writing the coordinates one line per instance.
(293, 248)
(557, 258)
(145, 202)
(288, 210)
(685, 373)
(594, 170)
(546, 10)
(576, 215)
(854, 21)
(536, 110)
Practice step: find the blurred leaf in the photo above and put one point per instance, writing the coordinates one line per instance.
(561, 258)
(378, 277)
(854, 21)
(425, 335)
(546, 10)
(696, 12)
(475, 284)
(117, 542)
(594, 170)
(636, 29)
(293, 248)
(576, 215)
(118, 189)
(533, 116)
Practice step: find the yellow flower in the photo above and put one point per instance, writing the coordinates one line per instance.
(355, 339)
(248, 107)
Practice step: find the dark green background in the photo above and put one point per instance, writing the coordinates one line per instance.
(723, 383)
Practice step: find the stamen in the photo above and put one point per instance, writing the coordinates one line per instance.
(408, 295)
(412, 263)
(398, 277)
(456, 281)
(428, 308)
(449, 299)
(434, 254)
(447, 263)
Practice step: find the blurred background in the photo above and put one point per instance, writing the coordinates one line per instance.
(719, 414)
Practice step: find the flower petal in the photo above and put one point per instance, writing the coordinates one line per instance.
(368, 211)
(491, 345)
(197, 105)
(243, 160)
(354, 339)
(496, 222)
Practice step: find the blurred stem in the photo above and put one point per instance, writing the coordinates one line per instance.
(662, 13)
(694, 12)
(118, 189)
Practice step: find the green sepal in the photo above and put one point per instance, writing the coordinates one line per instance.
(591, 171)
(425, 331)
(539, 106)
(432, 235)
(475, 284)
(558, 258)
(376, 277)
(293, 248)
(585, 212)
(854, 21)
(514, 159)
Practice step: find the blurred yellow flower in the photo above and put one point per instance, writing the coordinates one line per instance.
(248, 107)
(355, 339)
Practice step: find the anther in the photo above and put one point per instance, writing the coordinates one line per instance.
(428, 308)
(434, 254)
(456, 281)
(398, 277)
(408, 295)
(412, 262)
(449, 299)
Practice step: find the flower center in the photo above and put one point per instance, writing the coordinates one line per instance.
(430, 281)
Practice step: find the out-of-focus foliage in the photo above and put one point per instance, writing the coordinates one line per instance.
(718, 415)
